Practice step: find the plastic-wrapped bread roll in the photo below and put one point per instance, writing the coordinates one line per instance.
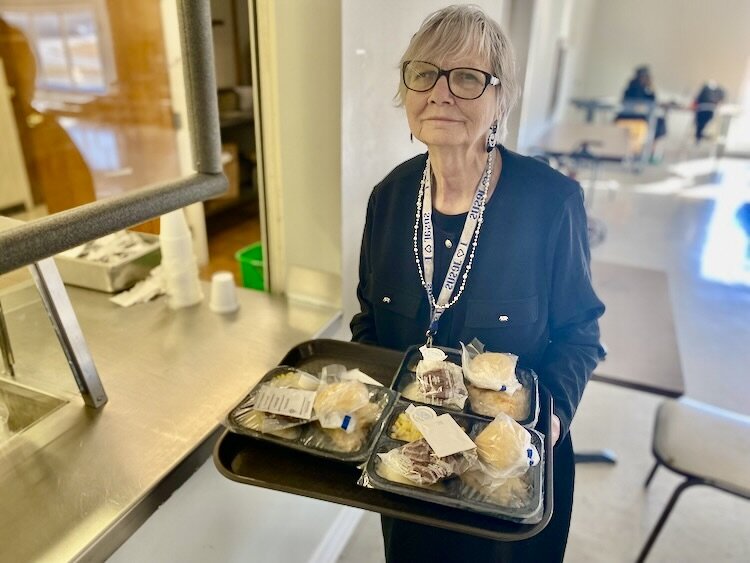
(342, 397)
(490, 370)
(505, 448)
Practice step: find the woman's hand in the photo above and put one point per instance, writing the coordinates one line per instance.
(555, 429)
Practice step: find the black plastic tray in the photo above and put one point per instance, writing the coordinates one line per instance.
(453, 492)
(528, 378)
(309, 433)
(271, 466)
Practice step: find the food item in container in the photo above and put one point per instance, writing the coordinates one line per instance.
(493, 370)
(285, 427)
(387, 471)
(268, 423)
(404, 429)
(506, 446)
(368, 414)
(438, 383)
(296, 380)
(343, 441)
(340, 440)
(417, 462)
(343, 397)
(514, 492)
(490, 403)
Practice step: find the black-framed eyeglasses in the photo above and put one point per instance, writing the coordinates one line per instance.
(464, 83)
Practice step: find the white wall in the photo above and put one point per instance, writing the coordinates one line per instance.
(299, 49)
(225, 61)
(685, 42)
(555, 23)
(374, 133)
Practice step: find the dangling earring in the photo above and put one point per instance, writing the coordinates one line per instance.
(411, 137)
(492, 137)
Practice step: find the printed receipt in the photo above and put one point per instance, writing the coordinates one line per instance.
(296, 403)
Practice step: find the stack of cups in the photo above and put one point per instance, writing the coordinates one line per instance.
(179, 266)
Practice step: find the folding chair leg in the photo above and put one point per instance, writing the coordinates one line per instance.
(651, 475)
(663, 518)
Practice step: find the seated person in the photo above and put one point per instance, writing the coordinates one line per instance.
(710, 96)
(640, 89)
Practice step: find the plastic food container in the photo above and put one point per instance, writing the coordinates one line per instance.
(456, 492)
(310, 437)
(406, 375)
(116, 275)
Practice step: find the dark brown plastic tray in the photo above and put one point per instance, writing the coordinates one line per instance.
(263, 464)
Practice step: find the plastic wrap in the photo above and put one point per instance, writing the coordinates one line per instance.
(437, 382)
(247, 416)
(513, 493)
(489, 370)
(418, 463)
(491, 403)
(337, 403)
(518, 498)
(353, 444)
(358, 432)
(505, 452)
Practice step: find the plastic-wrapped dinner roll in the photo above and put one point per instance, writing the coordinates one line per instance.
(342, 397)
(341, 440)
(491, 403)
(491, 370)
(506, 446)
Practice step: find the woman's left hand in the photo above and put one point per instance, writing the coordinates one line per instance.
(555, 429)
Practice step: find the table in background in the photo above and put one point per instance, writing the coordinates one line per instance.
(638, 332)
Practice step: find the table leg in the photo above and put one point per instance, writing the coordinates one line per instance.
(596, 456)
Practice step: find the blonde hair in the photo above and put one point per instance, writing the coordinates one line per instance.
(460, 31)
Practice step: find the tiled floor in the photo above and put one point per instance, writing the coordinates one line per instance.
(230, 231)
(680, 220)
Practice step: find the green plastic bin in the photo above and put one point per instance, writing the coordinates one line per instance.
(251, 266)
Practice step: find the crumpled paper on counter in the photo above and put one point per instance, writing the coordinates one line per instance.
(144, 291)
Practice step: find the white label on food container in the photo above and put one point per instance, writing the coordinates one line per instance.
(445, 436)
(297, 403)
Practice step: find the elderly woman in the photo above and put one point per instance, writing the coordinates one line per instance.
(472, 240)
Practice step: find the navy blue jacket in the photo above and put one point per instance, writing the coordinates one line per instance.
(529, 291)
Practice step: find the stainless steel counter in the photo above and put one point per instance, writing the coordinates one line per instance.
(83, 480)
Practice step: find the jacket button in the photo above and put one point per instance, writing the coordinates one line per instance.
(503, 318)
(386, 299)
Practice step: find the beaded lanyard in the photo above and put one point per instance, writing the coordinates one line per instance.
(469, 235)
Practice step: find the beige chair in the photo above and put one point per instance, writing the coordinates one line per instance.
(705, 444)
